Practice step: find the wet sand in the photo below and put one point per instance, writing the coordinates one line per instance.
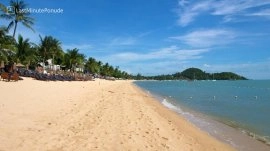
(94, 115)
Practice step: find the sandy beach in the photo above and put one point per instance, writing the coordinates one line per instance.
(93, 115)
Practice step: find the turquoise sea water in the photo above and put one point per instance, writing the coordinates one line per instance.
(243, 105)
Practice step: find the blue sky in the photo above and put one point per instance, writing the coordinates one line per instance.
(163, 36)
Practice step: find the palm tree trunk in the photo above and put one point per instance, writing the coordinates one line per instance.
(53, 59)
(53, 63)
(28, 64)
(15, 28)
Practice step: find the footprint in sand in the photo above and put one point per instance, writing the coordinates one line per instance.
(165, 138)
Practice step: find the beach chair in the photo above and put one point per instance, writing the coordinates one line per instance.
(14, 77)
(4, 76)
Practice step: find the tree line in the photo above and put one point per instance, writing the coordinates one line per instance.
(193, 74)
(22, 50)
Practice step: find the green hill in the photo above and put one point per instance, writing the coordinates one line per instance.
(198, 74)
(193, 74)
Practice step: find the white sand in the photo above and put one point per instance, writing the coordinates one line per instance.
(94, 115)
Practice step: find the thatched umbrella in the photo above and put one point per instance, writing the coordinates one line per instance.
(19, 65)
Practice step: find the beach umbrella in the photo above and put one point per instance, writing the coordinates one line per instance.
(20, 65)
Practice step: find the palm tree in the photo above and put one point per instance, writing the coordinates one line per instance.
(4, 11)
(3, 55)
(18, 16)
(99, 64)
(55, 48)
(50, 47)
(7, 49)
(73, 58)
(92, 65)
(26, 53)
(81, 61)
(117, 73)
(105, 69)
(23, 45)
(6, 42)
(43, 46)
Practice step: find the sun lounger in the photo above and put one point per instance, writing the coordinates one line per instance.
(4, 76)
(14, 76)
(7, 76)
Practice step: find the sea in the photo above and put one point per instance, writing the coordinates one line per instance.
(235, 112)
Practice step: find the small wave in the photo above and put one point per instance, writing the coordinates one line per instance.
(171, 106)
(263, 139)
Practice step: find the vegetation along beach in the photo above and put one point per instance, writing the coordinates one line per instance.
(155, 75)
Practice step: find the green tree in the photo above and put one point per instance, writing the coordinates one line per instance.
(3, 12)
(110, 71)
(117, 73)
(81, 61)
(18, 16)
(23, 45)
(55, 49)
(7, 46)
(26, 52)
(105, 69)
(92, 65)
(73, 59)
(50, 47)
(194, 73)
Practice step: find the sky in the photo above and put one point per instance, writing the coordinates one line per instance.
(154, 37)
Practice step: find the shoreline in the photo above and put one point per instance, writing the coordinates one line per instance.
(94, 115)
(234, 136)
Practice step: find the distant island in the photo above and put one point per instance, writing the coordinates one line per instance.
(193, 74)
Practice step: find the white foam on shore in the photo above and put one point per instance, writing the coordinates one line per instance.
(223, 132)
(189, 116)
(171, 106)
(219, 130)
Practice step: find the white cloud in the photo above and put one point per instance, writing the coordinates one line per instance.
(236, 6)
(207, 65)
(207, 37)
(188, 13)
(228, 9)
(186, 18)
(170, 53)
(254, 70)
(265, 13)
(122, 41)
(182, 2)
(156, 68)
(143, 34)
(161, 61)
